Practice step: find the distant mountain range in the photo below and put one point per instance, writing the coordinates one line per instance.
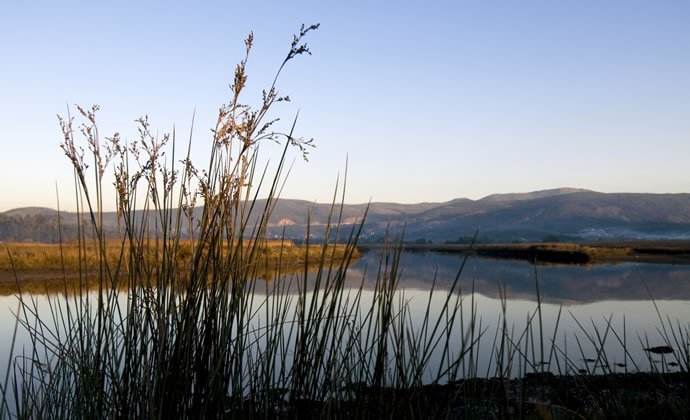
(564, 214)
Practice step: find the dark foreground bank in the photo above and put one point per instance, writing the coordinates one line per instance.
(540, 395)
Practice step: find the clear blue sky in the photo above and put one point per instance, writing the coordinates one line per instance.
(429, 100)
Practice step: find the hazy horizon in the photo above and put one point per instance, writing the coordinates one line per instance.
(426, 102)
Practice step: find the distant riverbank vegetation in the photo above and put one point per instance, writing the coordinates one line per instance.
(228, 344)
(49, 268)
(672, 252)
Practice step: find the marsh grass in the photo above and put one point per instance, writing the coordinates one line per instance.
(49, 268)
(228, 344)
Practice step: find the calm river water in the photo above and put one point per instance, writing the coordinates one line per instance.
(624, 297)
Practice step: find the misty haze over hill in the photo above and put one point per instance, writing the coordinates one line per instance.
(564, 214)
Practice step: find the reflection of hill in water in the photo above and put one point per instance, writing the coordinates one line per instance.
(559, 284)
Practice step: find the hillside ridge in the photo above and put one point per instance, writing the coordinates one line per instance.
(558, 214)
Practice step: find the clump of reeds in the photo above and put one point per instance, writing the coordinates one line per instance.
(226, 344)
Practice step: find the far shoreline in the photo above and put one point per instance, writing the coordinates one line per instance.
(600, 252)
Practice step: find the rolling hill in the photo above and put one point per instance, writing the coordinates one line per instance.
(558, 214)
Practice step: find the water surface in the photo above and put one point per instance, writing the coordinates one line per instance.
(603, 305)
